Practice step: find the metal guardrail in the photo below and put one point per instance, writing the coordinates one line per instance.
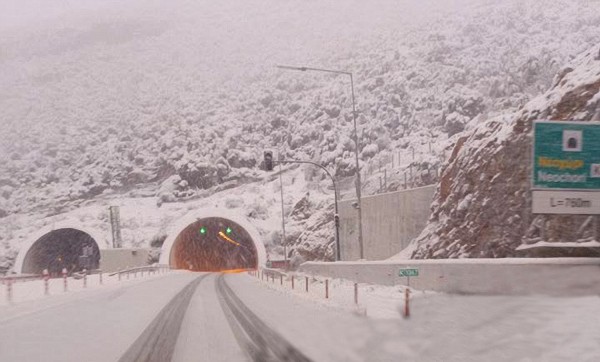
(155, 267)
(20, 277)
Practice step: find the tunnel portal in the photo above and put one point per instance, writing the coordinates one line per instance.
(214, 244)
(67, 248)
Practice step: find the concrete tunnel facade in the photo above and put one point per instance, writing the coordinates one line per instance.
(213, 240)
(229, 242)
(55, 248)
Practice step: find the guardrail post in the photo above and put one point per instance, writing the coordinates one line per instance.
(355, 293)
(326, 288)
(292, 282)
(119, 275)
(64, 276)
(406, 299)
(85, 278)
(9, 290)
(46, 276)
(281, 279)
(306, 284)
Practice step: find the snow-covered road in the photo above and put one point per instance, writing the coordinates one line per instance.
(185, 316)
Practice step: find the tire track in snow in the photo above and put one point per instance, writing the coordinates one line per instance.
(157, 342)
(260, 341)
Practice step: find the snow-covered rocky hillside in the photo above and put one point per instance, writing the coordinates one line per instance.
(482, 206)
(175, 101)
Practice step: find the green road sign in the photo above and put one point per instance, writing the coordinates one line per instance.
(566, 155)
(408, 272)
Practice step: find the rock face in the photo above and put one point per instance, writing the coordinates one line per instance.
(482, 207)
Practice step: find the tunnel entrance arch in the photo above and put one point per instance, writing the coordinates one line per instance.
(67, 247)
(213, 240)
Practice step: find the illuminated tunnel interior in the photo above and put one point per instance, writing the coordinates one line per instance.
(214, 244)
(68, 248)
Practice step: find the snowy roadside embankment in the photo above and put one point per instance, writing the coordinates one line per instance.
(452, 327)
(373, 300)
(482, 205)
(178, 99)
(15, 293)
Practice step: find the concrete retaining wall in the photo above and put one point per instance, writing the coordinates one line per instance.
(550, 276)
(390, 222)
(112, 260)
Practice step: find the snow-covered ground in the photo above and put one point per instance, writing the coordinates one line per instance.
(374, 301)
(101, 98)
(34, 290)
(441, 326)
(102, 323)
(98, 324)
(142, 220)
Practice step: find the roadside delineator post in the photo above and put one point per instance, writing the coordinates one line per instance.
(356, 293)
(326, 288)
(46, 279)
(406, 299)
(100, 275)
(281, 279)
(85, 278)
(64, 275)
(306, 283)
(119, 275)
(9, 289)
(292, 282)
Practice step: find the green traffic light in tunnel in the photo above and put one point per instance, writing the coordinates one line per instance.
(203, 230)
(228, 230)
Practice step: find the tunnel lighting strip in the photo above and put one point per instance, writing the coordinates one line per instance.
(228, 239)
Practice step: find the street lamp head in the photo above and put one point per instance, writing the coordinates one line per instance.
(302, 69)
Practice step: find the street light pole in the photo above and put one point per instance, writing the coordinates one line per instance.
(335, 195)
(285, 258)
(356, 148)
(358, 183)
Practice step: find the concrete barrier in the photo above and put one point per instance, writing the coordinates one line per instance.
(519, 276)
(112, 260)
(390, 222)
